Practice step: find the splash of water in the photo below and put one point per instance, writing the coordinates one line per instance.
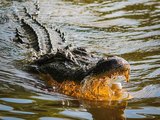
(93, 88)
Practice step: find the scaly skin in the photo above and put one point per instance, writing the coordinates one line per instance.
(64, 62)
(71, 70)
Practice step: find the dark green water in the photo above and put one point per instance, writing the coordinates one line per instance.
(129, 28)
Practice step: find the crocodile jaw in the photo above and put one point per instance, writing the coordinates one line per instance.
(112, 67)
(121, 67)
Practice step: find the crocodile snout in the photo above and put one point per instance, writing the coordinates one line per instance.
(113, 66)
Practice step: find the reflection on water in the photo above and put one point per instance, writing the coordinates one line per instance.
(130, 29)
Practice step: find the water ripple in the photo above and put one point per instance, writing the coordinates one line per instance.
(16, 100)
(130, 29)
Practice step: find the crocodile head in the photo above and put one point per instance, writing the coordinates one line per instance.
(96, 85)
(112, 66)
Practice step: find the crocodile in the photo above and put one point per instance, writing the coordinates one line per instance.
(52, 55)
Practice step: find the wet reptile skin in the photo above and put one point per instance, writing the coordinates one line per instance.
(50, 54)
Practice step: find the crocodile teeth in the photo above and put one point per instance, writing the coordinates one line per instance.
(127, 75)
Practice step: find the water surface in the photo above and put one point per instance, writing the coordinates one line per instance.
(127, 28)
